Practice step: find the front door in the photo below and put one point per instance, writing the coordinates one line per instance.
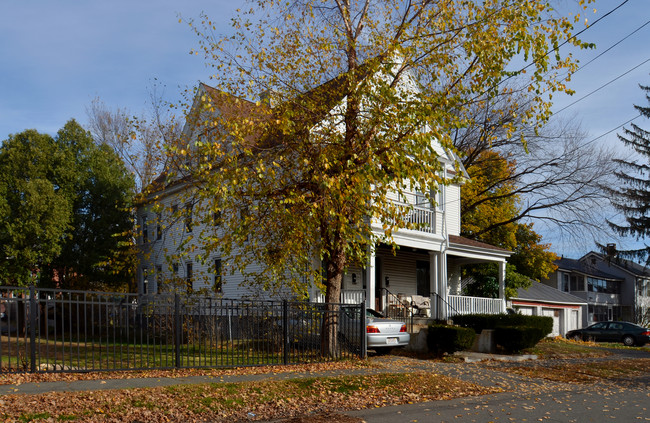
(423, 278)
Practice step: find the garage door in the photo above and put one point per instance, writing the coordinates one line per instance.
(573, 321)
(528, 311)
(555, 314)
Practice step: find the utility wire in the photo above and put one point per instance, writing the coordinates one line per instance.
(612, 130)
(602, 86)
(558, 47)
(611, 47)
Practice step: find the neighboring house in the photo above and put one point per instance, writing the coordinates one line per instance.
(614, 289)
(567, 311)
(426, 264)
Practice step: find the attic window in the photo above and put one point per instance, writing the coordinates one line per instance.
(593, 261)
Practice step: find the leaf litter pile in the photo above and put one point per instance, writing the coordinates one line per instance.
(239, 401)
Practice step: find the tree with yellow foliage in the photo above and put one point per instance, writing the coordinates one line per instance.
(355, 95)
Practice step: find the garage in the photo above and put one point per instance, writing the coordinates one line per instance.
(566, 310)
(555, 314)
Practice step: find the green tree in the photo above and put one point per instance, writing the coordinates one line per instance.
(101, 214)
(632, 195)
(65, 208)
(357, 93)
(35, 206)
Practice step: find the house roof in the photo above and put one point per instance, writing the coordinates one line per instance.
(543, 293)
(459, 240)
(623, 264)
(580, 266)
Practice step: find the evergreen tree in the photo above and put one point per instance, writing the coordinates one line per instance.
(632, 196)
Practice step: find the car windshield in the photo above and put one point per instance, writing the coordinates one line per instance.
(372, 313)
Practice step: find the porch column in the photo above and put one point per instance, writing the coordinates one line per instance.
(370, 280)
(442, 283)
(433, 283)
(502, 285)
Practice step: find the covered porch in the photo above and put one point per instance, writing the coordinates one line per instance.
(423, 284)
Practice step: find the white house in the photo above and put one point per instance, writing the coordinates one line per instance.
(426, 266)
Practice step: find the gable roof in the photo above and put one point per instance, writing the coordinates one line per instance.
(628, 266)
(544, 293)
(580, 266)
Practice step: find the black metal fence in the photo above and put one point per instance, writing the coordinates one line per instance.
(50, 330)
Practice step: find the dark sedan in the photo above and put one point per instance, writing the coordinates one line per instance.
(625, 332)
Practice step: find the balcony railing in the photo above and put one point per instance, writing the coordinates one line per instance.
(423, 216)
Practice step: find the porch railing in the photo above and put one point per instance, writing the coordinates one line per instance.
(458, 304)
(348, 296)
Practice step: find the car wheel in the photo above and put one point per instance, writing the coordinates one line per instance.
(577, 337)
(628, 340)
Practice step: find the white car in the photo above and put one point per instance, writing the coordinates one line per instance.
(382, 334)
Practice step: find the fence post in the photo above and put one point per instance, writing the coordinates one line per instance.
(285, 331)
(362, 330)
(177, 330)
(33, 309)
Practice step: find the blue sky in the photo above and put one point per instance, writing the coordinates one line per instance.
(59, 55)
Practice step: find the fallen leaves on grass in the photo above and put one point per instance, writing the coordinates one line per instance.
(242, 401)
(21, 378)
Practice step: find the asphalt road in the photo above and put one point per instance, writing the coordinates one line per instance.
(580, 404)
(531, 400)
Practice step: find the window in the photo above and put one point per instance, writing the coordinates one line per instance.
(601, 285)
(218, 282)
(158, 277)
(216, 218)
(565, 282)
(188, 277)
(188, 217)
(145, 230)
(598, 313)
(440, 197)
(159, 227)
(577, 284)
(643, 289)
(145, 280)
(175, 268)
(422, 278)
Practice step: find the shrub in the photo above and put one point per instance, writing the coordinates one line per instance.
(478, 322)
(449, 339)
(517, 338)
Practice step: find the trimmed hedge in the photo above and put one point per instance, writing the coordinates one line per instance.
(478, 322)
(516, 338)
(449, 339)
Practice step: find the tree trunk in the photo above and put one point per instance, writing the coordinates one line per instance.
(329, 333)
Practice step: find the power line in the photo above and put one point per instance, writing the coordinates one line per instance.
(612, 130)
(611, 47)
(602, 86)
(561, 45)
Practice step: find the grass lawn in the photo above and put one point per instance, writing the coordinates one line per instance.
(111, 355)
